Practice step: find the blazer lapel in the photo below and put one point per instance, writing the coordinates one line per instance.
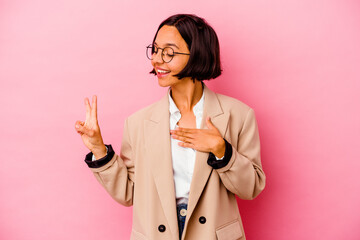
(158, 149)
(202, 170)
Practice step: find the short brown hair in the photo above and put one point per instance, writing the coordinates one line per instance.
(203, 44)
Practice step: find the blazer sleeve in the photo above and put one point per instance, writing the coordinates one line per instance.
(117, 176)
(243, 174)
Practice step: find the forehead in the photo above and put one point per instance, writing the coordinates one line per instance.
(169, 35)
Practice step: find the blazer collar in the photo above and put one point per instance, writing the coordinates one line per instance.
(158, 150)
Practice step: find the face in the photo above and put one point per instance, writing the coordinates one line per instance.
(169, 36)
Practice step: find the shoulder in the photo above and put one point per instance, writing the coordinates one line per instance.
(241, 114)
(143, 113)
(232, 105)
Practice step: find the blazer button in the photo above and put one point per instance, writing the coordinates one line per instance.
(161, 228)
(202, 220)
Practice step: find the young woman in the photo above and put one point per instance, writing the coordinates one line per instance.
(184, 158)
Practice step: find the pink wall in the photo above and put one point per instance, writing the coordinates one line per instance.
(295, 62)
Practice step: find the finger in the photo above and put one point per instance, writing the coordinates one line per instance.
(187, 130)
(77, 126)
(79, 132)
(183, 139)
(209, 124)
(183, 134)
(94, 108)
(82, 129)
(79, 123)
(88, 110)
(186, 145)
(188, 135)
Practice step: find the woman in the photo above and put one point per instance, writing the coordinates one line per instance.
(184, 158)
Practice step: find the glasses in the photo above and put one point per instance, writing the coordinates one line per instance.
(167, 53)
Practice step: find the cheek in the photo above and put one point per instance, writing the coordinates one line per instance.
(177, 66)
(152, 63)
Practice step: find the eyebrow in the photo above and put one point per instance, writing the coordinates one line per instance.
(169, 44)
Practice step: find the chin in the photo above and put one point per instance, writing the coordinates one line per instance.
(164, 82)
(163, 85)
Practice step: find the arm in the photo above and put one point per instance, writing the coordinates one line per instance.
(243, 174)
(240, 169)
(116, 173)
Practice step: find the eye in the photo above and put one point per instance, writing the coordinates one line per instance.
(168, 52)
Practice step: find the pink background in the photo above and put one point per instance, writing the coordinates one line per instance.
(295, 62)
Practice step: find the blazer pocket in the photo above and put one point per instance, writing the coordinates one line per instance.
(137, 236)
(230, 231)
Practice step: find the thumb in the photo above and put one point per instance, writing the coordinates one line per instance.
(79, 126)
(209, 124)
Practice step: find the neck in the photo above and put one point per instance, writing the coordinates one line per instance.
(186, 95)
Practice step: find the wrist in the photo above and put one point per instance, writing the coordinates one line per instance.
(99, 152)
(219, 149)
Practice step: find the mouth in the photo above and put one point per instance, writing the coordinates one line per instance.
(162, 72)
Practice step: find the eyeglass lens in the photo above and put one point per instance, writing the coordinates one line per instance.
(167, 53)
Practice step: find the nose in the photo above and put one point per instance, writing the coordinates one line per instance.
(157, 58)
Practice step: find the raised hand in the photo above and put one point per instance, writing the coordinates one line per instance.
(204, 140)
(90, 130)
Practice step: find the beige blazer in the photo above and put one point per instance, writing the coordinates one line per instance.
(142, 175)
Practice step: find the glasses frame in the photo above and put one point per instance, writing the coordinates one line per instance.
(162, 52)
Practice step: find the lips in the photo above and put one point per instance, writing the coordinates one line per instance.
(162, 72)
